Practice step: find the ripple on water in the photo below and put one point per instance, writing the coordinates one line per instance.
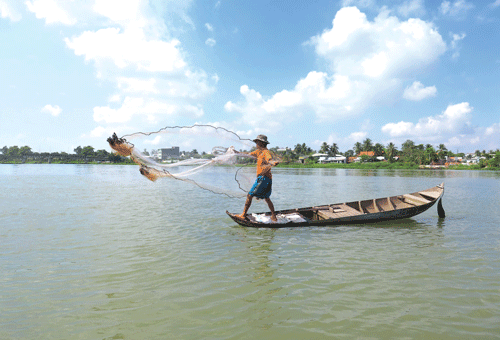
(97, 252)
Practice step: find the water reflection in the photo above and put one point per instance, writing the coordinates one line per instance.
(112, 254)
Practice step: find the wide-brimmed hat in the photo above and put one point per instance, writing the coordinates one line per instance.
(261, 138)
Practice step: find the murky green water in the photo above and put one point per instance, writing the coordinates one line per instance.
(99, 252)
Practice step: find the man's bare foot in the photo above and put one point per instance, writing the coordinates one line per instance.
(242, 216)
(273, 218)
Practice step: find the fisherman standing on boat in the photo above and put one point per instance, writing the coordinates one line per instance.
(263, 184)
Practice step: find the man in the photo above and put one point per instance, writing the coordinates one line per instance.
(263, 184)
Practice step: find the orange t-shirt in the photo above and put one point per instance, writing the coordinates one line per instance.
(263, 158)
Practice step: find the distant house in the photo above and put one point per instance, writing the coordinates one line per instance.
(164, 154)
(284, 150)
(336, 159)
(367, 153)
(370, 154)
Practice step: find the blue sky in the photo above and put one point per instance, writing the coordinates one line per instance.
(73, 72)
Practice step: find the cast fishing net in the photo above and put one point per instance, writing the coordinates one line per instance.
(222, 170)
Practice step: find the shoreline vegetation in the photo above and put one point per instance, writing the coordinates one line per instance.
(364, 155)
(362, 166)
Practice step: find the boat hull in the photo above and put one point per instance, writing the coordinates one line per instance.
(366, 211)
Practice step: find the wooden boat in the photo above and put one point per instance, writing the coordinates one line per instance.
(367, 211)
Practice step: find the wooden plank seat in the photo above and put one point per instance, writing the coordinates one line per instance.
(399, 204)
(430, 193)
(416, 200)
(338, 211)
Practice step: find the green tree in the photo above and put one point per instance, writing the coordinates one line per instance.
(101, 153)
(391, 152)
(367, 145)
(4, 150)
(407, 146)
(25, 151)
(364, 158)
(358, 147)
(334, 149)
(13, 152)
(431, 155)
(495, 161)
(115, 158)
(413, 153)
(378, 149)
(88, 152)
(302, 149)
(407, 149)
(442, 152)
(78, 150)
(325, 148)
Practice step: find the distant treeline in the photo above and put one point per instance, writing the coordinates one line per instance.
(410, 154)
(87, 154)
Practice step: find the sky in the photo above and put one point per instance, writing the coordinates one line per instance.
(72, 72)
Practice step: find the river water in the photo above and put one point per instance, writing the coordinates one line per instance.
(99, 252)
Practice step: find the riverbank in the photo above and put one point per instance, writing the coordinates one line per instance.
(362, 166)
(69, 162)
(381, 166)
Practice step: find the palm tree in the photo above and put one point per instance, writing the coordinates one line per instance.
(378, 149)
(334, 149)
(358, 148)
(431, 153)
(442, 152)
(391, 151)
(367, 145)
(324, 148)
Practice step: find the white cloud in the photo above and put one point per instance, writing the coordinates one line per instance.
(493, 130)
(154, 141)
(7, 11)
(411, 7)
(453, 121)
(51, 11)
(53, 110)
(150, 108)
(128, 48)
(210, 42)
(368, 59)
(454, 44)
(357, 137)
(100, 132)
(130, 14)
(417, 91)
(457, 9)
(115, 98)
(134, 51)
(136, 85)
(209, 27)
(384, 48)
(495, 4)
